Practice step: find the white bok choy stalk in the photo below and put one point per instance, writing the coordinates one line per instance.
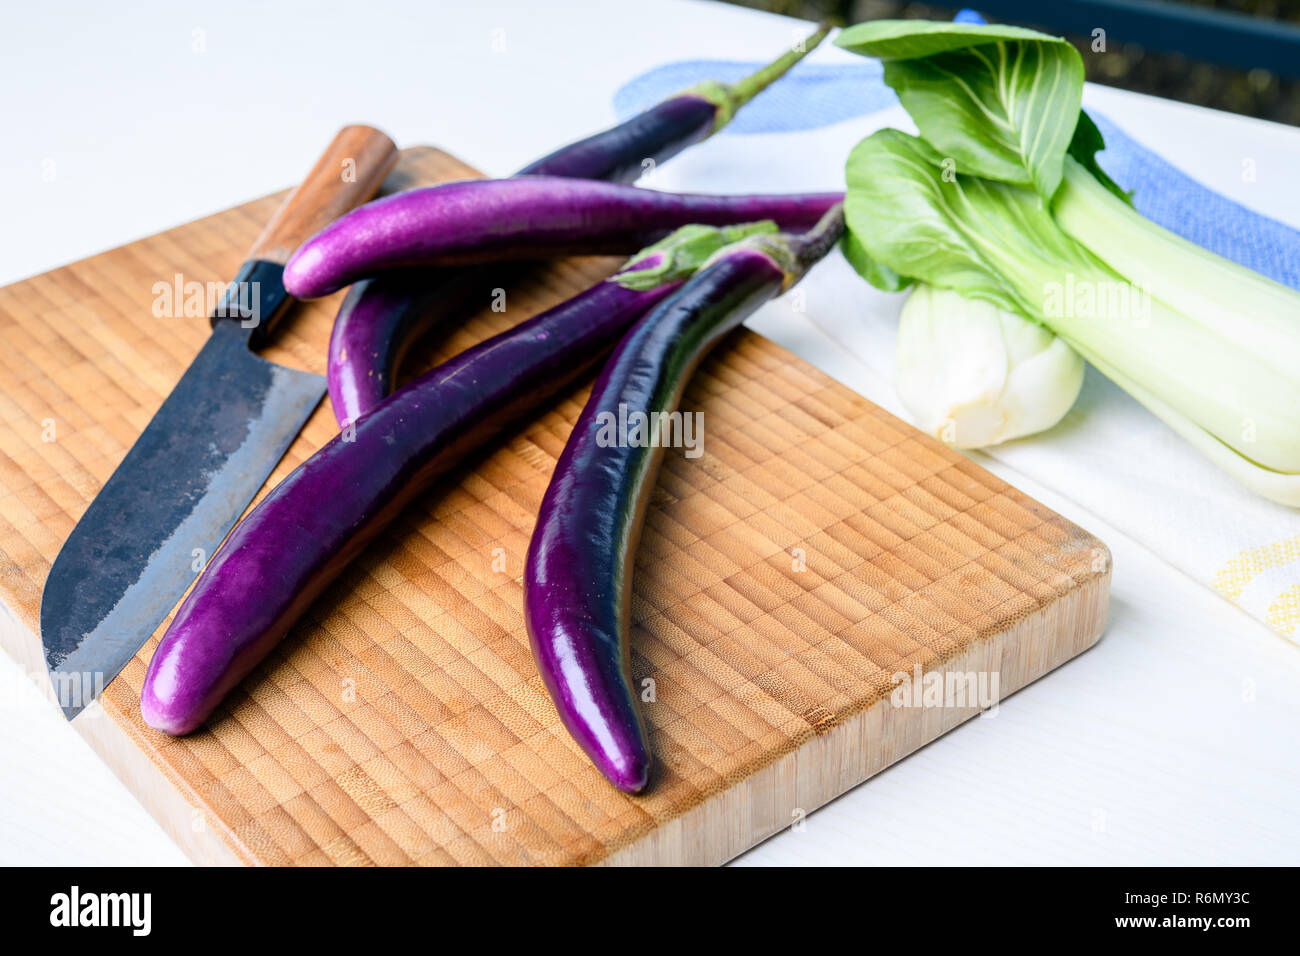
(974, 375)
(1000, 199)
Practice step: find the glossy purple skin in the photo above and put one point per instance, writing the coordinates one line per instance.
(299, 538)
(618, 154)
(383, 316)
(488, 220)
(578, 574)
(379, 320)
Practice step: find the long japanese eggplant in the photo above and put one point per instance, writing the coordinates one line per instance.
(382, 316)
(298, 539)
(578, 573)
(489, 220)
(622, 153)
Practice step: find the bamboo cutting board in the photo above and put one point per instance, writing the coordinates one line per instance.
(817, 549)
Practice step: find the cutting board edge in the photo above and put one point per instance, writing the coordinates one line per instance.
(715, 829)
(112, 740)
(707, 827)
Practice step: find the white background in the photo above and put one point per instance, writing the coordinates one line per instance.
(1173, 741)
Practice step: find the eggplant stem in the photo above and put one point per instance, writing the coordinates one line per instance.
(810, 247)
(742, 91)
(729, 97)
(796, 254)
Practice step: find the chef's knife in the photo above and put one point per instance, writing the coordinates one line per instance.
(206, 452)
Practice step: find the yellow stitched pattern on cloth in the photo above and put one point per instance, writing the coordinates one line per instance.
(1231, 580)
(1284, 612)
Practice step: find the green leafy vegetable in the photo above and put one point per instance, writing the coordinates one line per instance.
(910, 39)
(985, 239)
(973, 375)
(1085, 146)
(1026, 220)
(994, 99)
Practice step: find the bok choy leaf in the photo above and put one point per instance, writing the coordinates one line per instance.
(1000, 199)
(988, 97)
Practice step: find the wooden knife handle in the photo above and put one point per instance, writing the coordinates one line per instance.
(348, 173)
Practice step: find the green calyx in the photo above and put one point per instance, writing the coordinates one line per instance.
(729, 97)
(678, 255)
(721, 95)
(793, 254)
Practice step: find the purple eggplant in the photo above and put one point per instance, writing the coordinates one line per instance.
(578, 573)
(488, 220)
(620, 154)
(298, 539)
(382, 316)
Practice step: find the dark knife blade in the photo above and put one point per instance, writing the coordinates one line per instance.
(171, 502)
(204, 455)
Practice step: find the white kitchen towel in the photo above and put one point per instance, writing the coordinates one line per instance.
(1109, 454)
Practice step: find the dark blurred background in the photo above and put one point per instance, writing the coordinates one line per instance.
(1242, 56)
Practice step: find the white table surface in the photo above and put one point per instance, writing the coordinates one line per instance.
(1172, 741)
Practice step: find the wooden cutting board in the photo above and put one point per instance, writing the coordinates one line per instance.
(817, 549)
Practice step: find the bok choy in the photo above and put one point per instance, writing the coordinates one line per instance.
(1000, 200)
(973, 374)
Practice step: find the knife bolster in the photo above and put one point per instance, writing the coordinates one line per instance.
(256, 300)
